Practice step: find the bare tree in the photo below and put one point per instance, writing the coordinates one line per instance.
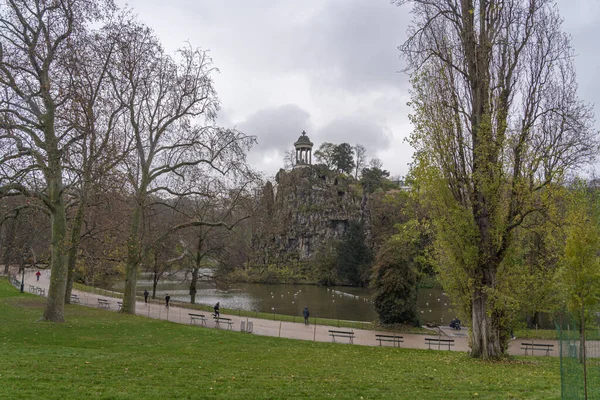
(360, 159)
(35, 94)
(94, 116)
(497, 124)
(171, 106)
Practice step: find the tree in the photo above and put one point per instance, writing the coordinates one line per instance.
(580, 270)
(171, 106)
(496, 122)
(373, 179)
(342, 158)
(354, 256)
(35, 45)
(360, 157)
(324, 154)
(396, 274)
(94, 116)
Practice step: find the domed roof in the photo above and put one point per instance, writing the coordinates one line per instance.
(303, 140)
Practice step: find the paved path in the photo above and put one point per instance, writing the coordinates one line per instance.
(289, 330)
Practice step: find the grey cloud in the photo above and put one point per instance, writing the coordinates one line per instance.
(353, 130)
(353, 45)
(275, 128)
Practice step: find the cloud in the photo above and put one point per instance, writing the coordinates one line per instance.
(353, 44)
(276, 129)
(355, 130)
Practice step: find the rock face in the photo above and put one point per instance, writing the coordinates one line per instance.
(308, 210)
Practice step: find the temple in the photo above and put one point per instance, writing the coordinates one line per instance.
(303, 151)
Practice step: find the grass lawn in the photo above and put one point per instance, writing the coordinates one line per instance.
(105, 355)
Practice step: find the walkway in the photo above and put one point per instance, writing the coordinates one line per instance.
(289, 330)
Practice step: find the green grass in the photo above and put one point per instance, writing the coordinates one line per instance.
(106, 355)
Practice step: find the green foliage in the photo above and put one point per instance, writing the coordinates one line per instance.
(354, 256)
(325, 264)
(325, 153)
(373, 179)
(395, 276)
(580, 268)
(105, 355)
(343, 158)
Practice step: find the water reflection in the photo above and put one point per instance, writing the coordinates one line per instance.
(348, 303)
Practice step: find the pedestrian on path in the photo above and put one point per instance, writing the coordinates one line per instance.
(306, 314)
(216, 308)
(37, 275)
(167, 298)
(146, 296)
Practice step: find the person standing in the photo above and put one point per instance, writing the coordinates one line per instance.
(167, 298)
(306, 314)
(146, 296)
(216, 308)
(37, 275)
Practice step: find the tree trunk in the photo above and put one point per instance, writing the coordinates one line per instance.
(197, 261)
(193, 284)
(73, 249)
(485, 331)
(154, 283)
(55, 304)
(133, 258)
(485, 338)
(583, 351)
(7, 239)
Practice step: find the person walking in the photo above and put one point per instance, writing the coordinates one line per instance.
(306, 314)
(37, 275)
(167, 298)
(216, 308)
(146, 296)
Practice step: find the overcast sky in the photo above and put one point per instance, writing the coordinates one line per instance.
(329, 67)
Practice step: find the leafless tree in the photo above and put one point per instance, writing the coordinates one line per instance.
(360, 159)
(35, 92)
(498, 117)
(94, 115)
(171, 106)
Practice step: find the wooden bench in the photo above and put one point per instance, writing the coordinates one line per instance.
(103, 303)
(32, 289)
(395, 339)
(346, 334)
(75, 299)
(439, 342)
(227, 321)
(194, 317)
(537, 346)
(120, 304)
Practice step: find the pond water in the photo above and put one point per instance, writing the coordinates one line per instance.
(337, 302)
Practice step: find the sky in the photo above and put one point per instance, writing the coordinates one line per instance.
(327, 67)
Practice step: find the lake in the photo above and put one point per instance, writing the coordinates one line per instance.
(337, 302)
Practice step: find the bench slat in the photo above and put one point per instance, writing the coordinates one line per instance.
(440, 342)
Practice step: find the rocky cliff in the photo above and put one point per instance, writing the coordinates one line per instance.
(307, 210)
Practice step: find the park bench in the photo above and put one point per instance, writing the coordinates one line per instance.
(31, 289)
(75, 299)
(346, 334)
(40, 291)
(537, 346)
(390, 338)
(227, 321)
(439, 342)
(103, 303)
(194, 317)
(120, 304)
